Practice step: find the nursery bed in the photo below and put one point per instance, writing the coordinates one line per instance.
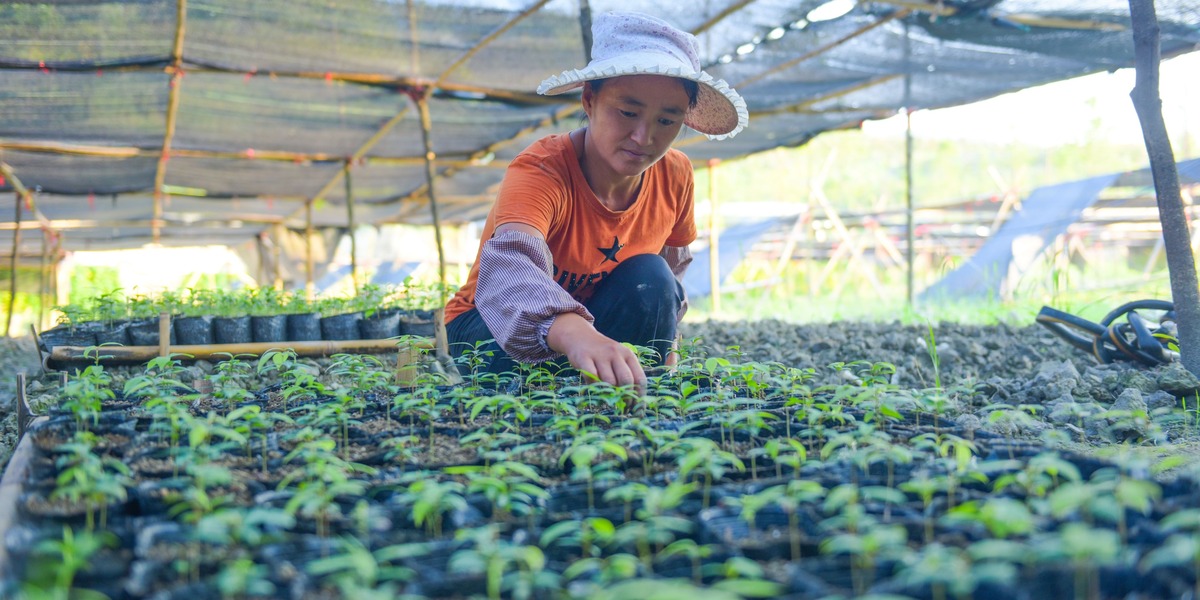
(534, 528)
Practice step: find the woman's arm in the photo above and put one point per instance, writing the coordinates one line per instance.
(516, 296)
(534, 319)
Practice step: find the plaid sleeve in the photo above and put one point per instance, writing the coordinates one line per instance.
(678, 259)
(517, 297)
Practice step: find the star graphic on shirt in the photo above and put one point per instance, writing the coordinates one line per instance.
(611, 253)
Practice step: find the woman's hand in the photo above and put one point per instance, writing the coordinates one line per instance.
(591, 351)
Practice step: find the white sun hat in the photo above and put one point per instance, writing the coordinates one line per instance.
(629, 43)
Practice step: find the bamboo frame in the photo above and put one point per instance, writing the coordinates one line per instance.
(440, 82)
(160, 171)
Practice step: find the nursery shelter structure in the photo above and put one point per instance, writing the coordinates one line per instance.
(193, 122)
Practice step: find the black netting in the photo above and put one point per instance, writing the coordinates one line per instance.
(70, 174)
(85, 84)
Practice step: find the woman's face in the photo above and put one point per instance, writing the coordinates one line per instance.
(632, 121)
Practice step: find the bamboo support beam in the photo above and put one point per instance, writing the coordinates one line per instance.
(22, 190)
(720, 16)
(277, 257)
(43, 274)
(351, 226)
(430, 178)
(452, 160)
(160, 171)
(310, 286)
(714, 255)
(910, 241)
(941, 9)
(68, 224)
(61, 356)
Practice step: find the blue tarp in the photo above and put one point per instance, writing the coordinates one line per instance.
(732, 245)
(394, 273)
(1046, 213)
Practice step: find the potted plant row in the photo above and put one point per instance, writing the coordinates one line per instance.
(265, 314)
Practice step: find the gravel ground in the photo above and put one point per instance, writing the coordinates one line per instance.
(17, 355)
(980, 367)
(985, 367)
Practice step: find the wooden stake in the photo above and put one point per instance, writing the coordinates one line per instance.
(164, 335)
(24, 415)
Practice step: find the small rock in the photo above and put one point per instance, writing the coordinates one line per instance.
(1136, 379)
(1174, 378)
(968, 422)
(1160, 399)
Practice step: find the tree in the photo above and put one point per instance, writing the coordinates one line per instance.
(1181, 264)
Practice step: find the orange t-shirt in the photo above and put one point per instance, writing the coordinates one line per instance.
(544, 188)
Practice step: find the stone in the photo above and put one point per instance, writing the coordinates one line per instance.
(1174, 378)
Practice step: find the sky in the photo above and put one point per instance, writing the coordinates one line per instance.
(1096, 105)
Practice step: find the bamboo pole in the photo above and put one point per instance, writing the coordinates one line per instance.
(64, 355)
(430, 177)
(414, 55)
(42, 284)
(910, 275)
(455, 159)
(20, 188)
(64, 224)
(160, 171)
(714, 254)
(351, 226)
(717, 18)
(277, 255)
(310, 286)
(261, 246)
(585, 29)
(18, 199)
(54, 269)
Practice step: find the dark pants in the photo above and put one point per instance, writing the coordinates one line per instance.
(637, 303)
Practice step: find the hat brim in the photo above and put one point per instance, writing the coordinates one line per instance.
(719, 113)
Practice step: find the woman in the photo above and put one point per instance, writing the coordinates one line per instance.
(587, 241)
